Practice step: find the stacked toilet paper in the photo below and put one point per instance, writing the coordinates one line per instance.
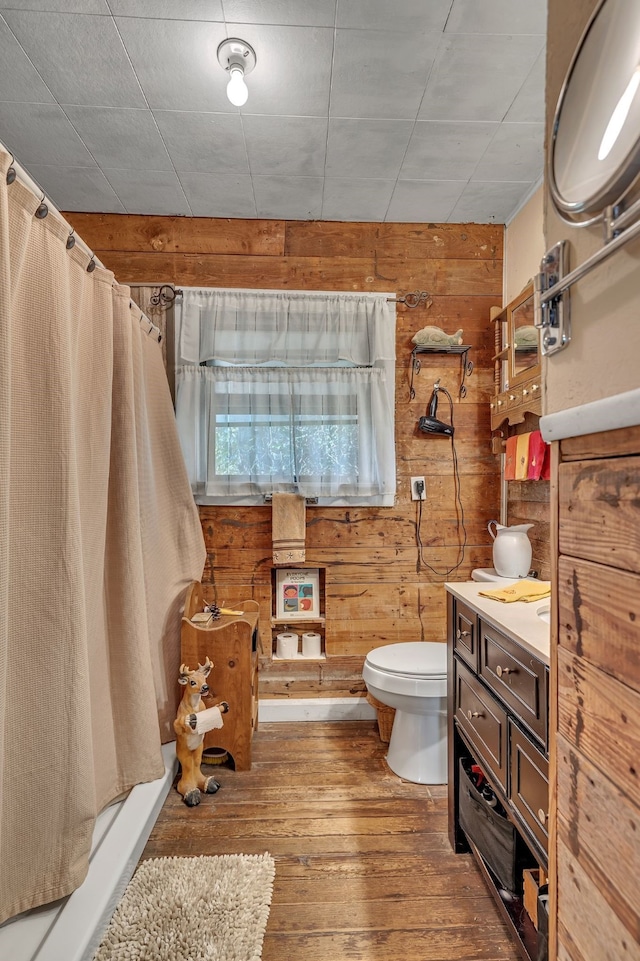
(287, 645)
(311, 645)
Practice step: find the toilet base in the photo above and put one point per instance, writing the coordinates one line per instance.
(418, 747)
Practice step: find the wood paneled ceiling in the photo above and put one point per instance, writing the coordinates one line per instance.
(358, 110)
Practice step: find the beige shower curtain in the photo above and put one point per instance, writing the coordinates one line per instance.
(99, 538)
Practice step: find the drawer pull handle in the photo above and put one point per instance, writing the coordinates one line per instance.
(460, 634)
(472, 714)
(542, 816)
(500, 671)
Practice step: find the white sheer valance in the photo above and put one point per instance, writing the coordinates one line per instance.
(286, 391)
(292, 327)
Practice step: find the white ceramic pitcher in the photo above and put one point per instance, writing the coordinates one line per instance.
(511, 549)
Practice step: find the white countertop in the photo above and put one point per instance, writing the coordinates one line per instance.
(608, 413)
(517, 619)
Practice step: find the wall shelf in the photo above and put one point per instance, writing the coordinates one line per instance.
(296, 621)
(466, 365)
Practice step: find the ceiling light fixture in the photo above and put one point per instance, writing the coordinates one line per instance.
(239, 59)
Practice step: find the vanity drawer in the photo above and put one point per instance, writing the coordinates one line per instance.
(529, 784)
(517, 677)
(465, 634)
(483, 721)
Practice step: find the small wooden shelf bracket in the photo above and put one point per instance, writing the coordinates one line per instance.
(466, 365)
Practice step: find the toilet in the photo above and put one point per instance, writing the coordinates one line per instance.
(412, 678)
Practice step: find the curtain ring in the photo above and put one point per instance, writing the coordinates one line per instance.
(91, 266)
(11, 171)
(71, 240)
(42, 210)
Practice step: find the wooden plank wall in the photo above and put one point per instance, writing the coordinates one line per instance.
(597, 658)
(376, 592)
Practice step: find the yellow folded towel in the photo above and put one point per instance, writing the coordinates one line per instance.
(524, 590)
(288, 528)
(522, 456)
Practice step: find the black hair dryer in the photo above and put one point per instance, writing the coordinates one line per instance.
(429, 424)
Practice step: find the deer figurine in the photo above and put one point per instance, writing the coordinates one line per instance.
(189, 743)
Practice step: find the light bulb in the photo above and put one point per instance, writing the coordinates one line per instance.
(237, 90)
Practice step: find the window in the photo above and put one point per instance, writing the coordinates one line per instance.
(286, 392)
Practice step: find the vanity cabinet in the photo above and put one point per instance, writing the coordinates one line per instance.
(517, 363)
(497, 717)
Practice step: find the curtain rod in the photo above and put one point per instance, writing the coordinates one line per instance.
(27, 181)
(412, 299)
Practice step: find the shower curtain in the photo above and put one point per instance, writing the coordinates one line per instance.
(99, 539)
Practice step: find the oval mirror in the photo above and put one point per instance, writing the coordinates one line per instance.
(595, 144)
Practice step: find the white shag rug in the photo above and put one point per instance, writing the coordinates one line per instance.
(193, 909)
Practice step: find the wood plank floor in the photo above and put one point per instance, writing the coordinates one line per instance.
(364, 870)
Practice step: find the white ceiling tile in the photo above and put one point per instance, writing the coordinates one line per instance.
(119, 136)
(293, 69)
(60, 6)
(39, 133)
(80, 58)
(417, 202)
(478, 79)
(219, 195)
(349, 99)
(488, 202)
(446, 151)
(408, 16)
(19, 80)
(356, 200)
(77, 188)
(168, 9)
(498, 16)
(149, 191)
(319, 13)
(377, 74)
(279, 146)
(515, 153)
(367, 148)
(529, 106)
(176, 63)
(288, 198)
(204, 142)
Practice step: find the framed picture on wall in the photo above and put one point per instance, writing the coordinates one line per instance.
(298, 593)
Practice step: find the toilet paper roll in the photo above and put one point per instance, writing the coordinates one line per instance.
(208, 720)
(287, 645)
(311, 645)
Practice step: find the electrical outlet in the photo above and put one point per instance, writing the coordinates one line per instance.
(415, 487)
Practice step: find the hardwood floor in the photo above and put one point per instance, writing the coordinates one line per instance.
(364, 870)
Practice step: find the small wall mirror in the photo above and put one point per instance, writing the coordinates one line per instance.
(523, 337)
(595, 149)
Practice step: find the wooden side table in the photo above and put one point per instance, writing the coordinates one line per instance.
(231, 643)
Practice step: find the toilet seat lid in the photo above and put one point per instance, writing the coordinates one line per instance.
(420, 658)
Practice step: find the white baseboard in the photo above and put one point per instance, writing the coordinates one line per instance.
(316, 709)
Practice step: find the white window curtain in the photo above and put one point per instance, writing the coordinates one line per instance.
(286, 391)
